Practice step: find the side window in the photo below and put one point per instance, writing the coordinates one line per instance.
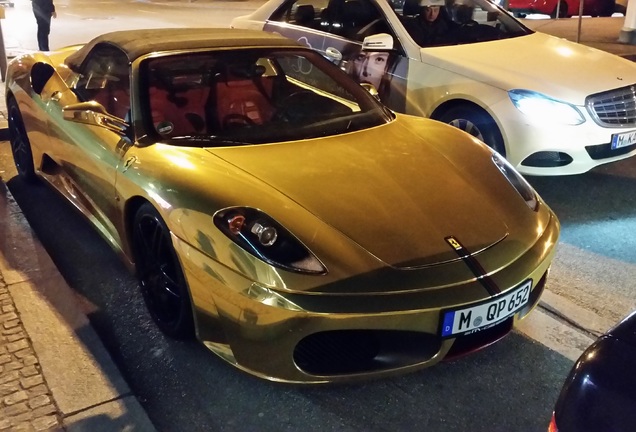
(304, 13)
(105, 79)
(352, 19)
(300, 69)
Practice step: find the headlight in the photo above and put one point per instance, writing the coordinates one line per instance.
(517, 181)
(542, 109)
(267, 240)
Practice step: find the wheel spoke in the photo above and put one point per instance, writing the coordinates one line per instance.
(20, 147)
(467, 126)
(156, 242)
(148, 232)
(476, 122)
(157, 270)
(170, 285)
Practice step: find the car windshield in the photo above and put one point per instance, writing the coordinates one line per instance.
(455, 22)
(251, 96)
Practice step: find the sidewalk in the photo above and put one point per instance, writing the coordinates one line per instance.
(55, 373)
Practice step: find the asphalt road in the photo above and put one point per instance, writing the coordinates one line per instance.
(595, 266)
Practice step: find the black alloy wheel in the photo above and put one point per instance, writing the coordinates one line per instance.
(477, 123)
(161, 278)
(20, 145)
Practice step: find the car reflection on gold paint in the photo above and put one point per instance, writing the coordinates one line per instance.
(274, 209)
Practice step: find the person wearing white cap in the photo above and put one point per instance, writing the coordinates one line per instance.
(431, 26)
(431, 9)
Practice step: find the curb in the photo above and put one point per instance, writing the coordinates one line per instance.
(63, 373)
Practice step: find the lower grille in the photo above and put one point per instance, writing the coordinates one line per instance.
(547, 159)
(467, 344)
(603, 151)
(358, 351)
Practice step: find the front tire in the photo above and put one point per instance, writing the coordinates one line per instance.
(161, 278)
(20, 144)
(477, 123)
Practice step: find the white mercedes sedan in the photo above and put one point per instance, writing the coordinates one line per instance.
(550, 106)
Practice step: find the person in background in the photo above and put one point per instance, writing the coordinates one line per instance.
(431, 26)
(43, 10)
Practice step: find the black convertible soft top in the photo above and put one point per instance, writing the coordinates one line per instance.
(136, 43)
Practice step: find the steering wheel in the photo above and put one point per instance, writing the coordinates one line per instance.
(237, 120)
(288, 107)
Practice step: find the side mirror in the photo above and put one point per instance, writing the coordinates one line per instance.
(378, 42)
(333, 54)
(94, 113)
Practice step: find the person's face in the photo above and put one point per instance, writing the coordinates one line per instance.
(431, 13)
(371, 67)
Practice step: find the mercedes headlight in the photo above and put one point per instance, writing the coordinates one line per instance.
(543, 109)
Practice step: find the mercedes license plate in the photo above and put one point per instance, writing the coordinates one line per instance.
(485, 314)
(623, 139)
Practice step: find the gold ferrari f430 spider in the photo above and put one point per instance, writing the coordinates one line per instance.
(273, 208)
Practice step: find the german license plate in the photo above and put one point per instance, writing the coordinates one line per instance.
(485, 314)
(623, 139)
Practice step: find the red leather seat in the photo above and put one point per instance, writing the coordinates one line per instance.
(241, 101)
(181, 113)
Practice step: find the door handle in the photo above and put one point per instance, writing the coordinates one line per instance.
(131, 160)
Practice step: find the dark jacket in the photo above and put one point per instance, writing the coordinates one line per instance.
(426, 33)
(45, 7)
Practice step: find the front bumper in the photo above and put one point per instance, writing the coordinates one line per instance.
(319, 338)
(542, 149)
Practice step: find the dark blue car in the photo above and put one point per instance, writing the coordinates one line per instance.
(600, 392)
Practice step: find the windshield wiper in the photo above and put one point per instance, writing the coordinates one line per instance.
(205, 139)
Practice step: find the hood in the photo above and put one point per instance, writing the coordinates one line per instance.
(395, 191)
(553, 66)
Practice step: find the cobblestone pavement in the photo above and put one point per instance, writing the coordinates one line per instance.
(25, 399)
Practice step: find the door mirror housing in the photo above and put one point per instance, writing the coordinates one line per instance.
(378, 42)
(93, 113)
